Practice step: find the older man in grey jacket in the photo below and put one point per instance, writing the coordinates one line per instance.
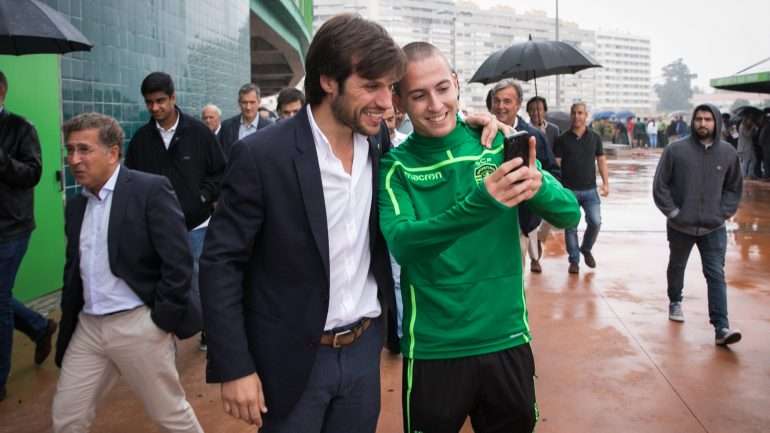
(698, 186)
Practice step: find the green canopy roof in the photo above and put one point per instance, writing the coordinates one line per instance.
(757, 82)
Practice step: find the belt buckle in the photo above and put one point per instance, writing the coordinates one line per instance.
(335, 344)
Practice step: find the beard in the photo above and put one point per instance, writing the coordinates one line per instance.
(341, 112)
(704, 133)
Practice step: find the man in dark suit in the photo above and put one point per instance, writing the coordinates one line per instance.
(245, 123)
(506, 101)
(126, 282)
(295, 274)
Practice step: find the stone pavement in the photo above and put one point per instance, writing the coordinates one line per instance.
(608, 359)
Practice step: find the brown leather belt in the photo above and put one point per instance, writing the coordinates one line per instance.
(347, 337)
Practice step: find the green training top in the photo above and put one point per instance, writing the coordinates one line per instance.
(461, 276)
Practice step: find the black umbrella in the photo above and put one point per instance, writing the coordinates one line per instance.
(560, 119)
(531, 59)
(31, 27)
(748, 111)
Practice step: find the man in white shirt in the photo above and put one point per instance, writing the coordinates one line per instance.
(247, 122)
(181, 148)
(126, 284)
(295, 274)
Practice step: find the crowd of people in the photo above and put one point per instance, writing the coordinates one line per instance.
(303, 241)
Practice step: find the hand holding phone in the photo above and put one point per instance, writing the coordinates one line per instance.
(516, 145)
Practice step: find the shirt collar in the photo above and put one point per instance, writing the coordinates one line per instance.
(173, 128)
(252, 124)
(322, 143)
(108, 187)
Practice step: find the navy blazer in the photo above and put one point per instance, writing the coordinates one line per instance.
(528, 221)
(148, 249)
(264, 272)
(228, 132)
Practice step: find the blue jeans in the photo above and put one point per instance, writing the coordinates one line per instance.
(712, 249)
(196, 238)
(342, 394)
(13, 314)
(653, 140)
(589, 200)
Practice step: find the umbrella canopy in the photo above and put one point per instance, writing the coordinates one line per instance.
(748, 111)
(560, 119)
(531, 59)
(601, 115)
(623, 115)
(31, 27)
(758, 82)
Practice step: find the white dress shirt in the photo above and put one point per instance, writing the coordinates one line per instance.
(348, 199)
(168, 134)
(103, 292)
(246, 129)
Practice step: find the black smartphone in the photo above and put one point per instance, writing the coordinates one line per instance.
(516, 145)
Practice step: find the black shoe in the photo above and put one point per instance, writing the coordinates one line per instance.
(589, 259)
(574, 268)
(534, 266)
(727, 336)
(43, 345)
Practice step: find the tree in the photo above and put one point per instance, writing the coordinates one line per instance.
(740, 102)
(676, 91)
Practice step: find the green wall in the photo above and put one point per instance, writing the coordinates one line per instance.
(34, 91)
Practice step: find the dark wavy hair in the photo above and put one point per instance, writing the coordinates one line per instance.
(348, 44)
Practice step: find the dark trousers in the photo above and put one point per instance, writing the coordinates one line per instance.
(497, 391)
(766, 161)
(13, 314)
(712, 249)
(343, 392)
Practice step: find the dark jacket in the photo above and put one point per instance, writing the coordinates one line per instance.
(148, 249)
(528, 221)
(552, 132)
(228, 133)
(20, 169)
(264, 272)
(696, 187)
(193, 163)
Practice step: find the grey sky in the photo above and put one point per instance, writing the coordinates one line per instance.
(715, 38)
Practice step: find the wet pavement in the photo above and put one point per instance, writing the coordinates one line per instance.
(608, 359)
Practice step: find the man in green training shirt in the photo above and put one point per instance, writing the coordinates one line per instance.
(448, 214)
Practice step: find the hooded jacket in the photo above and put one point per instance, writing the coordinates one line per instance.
(696, 186)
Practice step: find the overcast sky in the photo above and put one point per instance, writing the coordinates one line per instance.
(713, 41)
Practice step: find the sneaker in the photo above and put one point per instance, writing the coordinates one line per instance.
(589, 259)
(43, 345)
(675, 313)
(534, 266)
(574, 268)
(727, 336)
